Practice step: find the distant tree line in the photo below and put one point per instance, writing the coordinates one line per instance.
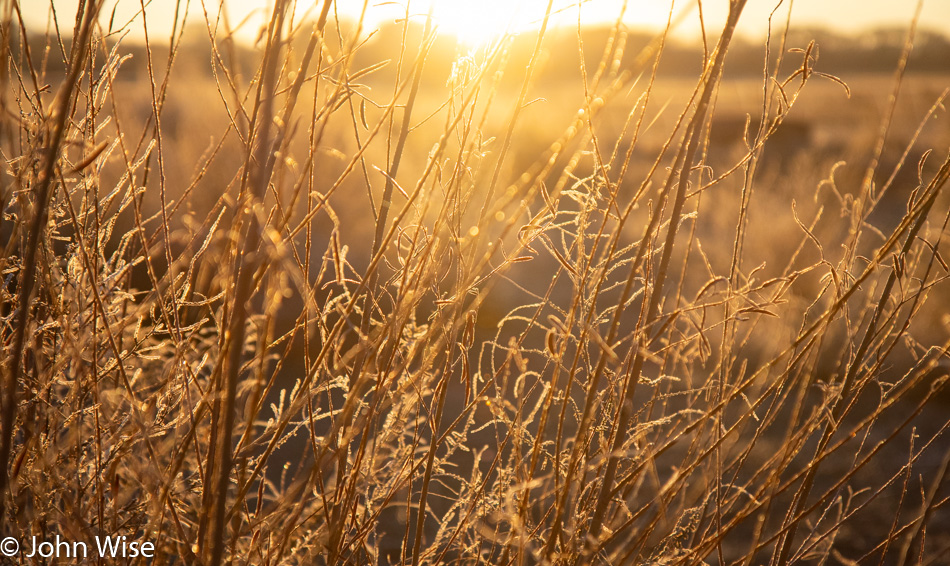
(876, 51)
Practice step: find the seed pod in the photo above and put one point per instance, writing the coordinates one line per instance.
(550, 341)
(90, 157)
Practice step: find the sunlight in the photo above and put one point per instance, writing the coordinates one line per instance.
(475, 23)
(480, 23)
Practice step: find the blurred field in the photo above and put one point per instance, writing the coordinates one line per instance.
(374, 297)
(828, 125)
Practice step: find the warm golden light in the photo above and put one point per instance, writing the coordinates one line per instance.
(480, 23)
(477, 23)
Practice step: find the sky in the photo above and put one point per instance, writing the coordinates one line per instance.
(475, 21)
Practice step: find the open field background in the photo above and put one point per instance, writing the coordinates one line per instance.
(371, 296)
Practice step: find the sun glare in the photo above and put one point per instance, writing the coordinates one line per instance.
(480, 23)
(477, 23)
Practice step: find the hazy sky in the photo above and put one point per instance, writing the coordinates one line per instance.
(477, 19)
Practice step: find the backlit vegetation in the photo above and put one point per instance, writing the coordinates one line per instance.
(363, 296)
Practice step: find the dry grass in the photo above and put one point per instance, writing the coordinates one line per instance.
(313, 302)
